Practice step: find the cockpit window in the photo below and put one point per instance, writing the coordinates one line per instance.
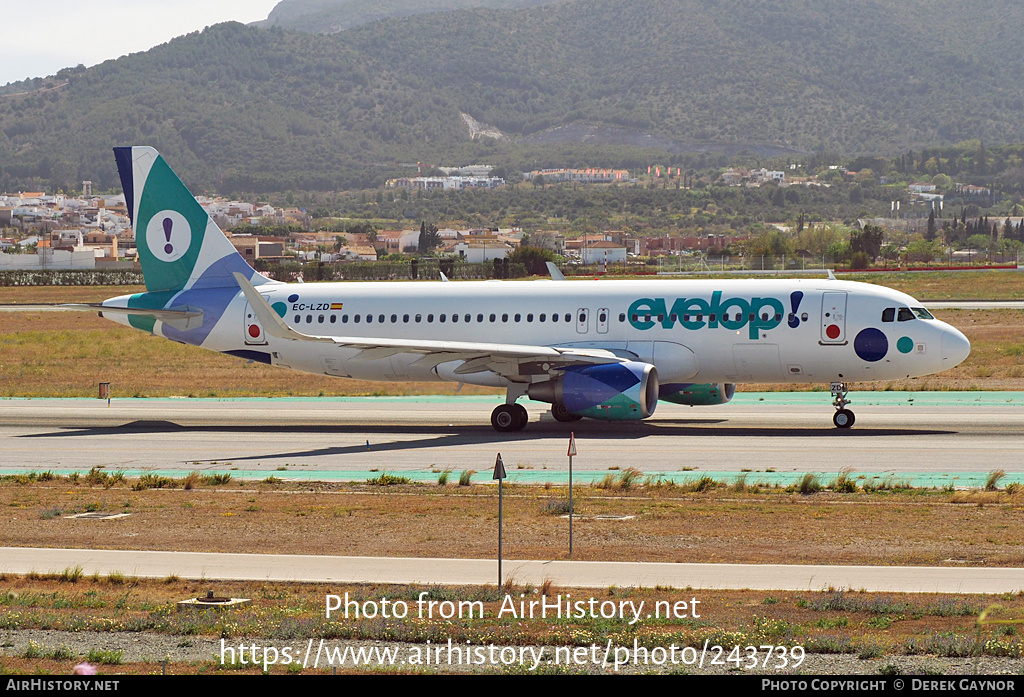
(922, 313)
(889, 314)
(905, 314)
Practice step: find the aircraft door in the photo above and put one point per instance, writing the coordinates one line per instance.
(582, 320)
(602, 320)
(254, 334)
(833, 318)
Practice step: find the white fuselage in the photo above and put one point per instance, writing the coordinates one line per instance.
(697, 331)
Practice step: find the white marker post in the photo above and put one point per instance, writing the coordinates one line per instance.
(572, 451)
(499, 474)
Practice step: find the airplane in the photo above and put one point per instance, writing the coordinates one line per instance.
(609, 349)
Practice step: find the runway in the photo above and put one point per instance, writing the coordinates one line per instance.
(930, 439)
(396, 570)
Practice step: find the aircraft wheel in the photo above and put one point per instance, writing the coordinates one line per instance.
(507, 418)
(562, 414)
(843, 418)
(522, 417)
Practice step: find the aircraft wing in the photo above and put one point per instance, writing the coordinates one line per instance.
(512, 361)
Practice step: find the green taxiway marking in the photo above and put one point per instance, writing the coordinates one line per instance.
(558, 477)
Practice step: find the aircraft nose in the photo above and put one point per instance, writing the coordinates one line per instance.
(955, 348)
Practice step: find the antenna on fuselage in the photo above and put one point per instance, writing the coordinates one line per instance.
(443, 277)
(831, 276)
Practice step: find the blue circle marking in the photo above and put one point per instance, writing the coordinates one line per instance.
(871, 345)
(293, 297)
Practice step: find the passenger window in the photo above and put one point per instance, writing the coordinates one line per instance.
(430, 318)
(334, 318)
(504, 317)
(344, 319)
(518, 317)
(889, 314)
(320, 319)
(309, 319)
(355, 318)
(298, 319)
(441, 319)
(455, 318)
(419, 318)
(492, 317)
(479, 318)
(568, 317)
(543, 317)
(905, 314)
(394, 319)
(380, 318)
(622, 317)
(405, 318)
(369, 319)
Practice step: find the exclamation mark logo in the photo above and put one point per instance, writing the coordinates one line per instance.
(168, 248)
(168, 235)
(794, 301)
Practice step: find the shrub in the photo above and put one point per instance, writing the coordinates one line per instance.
(992, 481)
(386, 479)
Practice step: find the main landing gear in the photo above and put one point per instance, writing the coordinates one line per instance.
(507, 418)
(843, 418)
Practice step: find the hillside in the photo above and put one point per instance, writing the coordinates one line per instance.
(331, 16)
(240, 108)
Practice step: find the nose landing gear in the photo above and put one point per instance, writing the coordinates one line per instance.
(843, 418)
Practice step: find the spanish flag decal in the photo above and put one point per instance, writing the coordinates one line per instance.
(336, 306)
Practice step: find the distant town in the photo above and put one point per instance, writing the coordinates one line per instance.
(93, 231)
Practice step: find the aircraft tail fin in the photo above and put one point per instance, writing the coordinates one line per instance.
(179, 245)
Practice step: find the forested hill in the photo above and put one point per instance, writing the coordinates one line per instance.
(240, 108)
(330, 16)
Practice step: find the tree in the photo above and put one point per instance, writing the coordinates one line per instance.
(429, 237)
(534, 258)
(868, 240)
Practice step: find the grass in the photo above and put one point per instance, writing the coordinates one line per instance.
(385, 479)
(869, 626)
(992, 481)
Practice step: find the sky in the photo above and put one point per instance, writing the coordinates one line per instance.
(65, 33)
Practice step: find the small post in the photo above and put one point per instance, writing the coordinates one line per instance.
(499, 474)
(105, 392)
(572, 451)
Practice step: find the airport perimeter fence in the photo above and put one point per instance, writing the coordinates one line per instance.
(71, 277)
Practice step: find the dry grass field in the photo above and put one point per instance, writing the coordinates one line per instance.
(710, 522)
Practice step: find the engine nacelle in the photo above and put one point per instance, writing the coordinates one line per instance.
(697, 395)
(613, 391)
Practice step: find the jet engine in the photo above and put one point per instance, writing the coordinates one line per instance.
(697, 395)
(613, 391)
